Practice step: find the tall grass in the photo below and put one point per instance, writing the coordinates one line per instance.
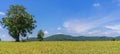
(63, 47)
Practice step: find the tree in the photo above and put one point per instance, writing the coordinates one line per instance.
(18, 22)
(40, 35)
(113, 39)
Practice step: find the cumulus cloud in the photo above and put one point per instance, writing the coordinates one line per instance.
(76, 26)
(96, 4)
(46, 32)
(2, 13)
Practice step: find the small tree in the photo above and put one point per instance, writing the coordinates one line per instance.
(114, 39)
(18, 22)
(40, 35)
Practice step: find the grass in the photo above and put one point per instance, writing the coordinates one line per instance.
(63, 47)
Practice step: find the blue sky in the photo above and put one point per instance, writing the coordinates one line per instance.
(74, 17)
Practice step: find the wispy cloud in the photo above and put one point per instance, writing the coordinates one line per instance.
(1, 27)
(96, 5)
(2, 13)
(78, 26)
(6, 38)
(59, 33)
(59, 28)
(115, 28)
(102, 33)
(116, 2)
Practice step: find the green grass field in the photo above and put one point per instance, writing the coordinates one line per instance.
(63, 47)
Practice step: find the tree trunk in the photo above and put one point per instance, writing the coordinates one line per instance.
(17, 38)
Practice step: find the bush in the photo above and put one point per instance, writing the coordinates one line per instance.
(113, 39)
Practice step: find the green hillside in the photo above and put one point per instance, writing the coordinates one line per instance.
(62, 37)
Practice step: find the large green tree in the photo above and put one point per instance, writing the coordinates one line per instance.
(40, 35)
(18, 22)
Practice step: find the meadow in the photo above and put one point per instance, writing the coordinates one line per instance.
(61, 47)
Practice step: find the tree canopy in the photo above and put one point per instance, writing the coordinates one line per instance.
(18, 22)
(40, 35)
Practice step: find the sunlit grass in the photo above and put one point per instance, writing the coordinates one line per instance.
(63, 47)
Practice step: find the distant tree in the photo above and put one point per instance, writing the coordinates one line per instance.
(18, 22)
(40, 35)
(114, 39)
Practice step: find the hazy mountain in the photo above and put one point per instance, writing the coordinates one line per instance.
(59, 37)
(62, 37)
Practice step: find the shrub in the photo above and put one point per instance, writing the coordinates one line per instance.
(113, 39)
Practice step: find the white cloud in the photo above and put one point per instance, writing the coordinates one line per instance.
(115, 28)
(59, 33)
(0, 27)
(46, 32)
(109, 33)
(100, 33)
(59, 28)
(77, 26)
(96, 4)
(2, 13)
(6, 38)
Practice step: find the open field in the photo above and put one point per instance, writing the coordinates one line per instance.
(63, 47)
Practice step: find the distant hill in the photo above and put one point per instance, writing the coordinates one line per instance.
(118, 37)
(62, 37)
(59, 37)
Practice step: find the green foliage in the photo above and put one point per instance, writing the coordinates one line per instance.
(18, 22)
(40, 35)
(113, 39)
